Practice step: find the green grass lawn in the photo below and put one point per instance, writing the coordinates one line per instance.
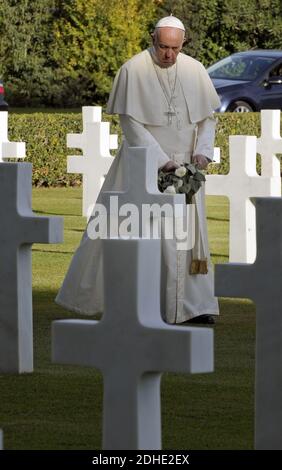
(60, 407)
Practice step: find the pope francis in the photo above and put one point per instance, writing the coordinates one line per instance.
(165, 100)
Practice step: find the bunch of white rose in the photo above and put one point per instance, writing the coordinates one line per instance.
(187, 179)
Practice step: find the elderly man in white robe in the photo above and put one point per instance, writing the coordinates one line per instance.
(165, 100)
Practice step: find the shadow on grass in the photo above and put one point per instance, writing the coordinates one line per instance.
(218, 219)
(216, 411)
(213, 411)
(57, 406)
(60, 407)
(80, 230)
(57, 213)
(41, 250)
(219, 255)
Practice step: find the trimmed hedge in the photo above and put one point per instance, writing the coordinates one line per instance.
(45, 137)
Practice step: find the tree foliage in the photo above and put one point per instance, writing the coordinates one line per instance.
(91, 41)
(66, 52)
(26, 36)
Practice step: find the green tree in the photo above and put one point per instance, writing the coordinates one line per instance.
(91, 41)
(26, 33)
(66, 52)
(249, 24)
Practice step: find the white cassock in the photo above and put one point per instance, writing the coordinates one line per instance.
(140, 96)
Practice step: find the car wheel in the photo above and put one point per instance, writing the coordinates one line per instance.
(240, 107)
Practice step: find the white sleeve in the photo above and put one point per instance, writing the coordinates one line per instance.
(138, 136)
(205, 137)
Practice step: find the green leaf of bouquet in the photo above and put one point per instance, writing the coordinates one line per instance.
(186, 188)
(191, 168)
(199, 176)
(194, 185)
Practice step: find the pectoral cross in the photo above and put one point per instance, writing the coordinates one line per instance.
(169, 115)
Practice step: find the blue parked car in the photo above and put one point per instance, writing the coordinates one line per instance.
(249, 81)
(3, 104)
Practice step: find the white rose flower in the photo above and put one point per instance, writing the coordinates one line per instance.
(170, 190)
(180, 172)
(179, 183)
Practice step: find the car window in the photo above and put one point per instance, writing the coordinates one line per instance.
(240, 68)
(276, 71)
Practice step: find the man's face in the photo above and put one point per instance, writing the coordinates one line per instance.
(168, 43)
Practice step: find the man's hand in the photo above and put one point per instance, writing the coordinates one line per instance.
(170, 165)
(201, 161)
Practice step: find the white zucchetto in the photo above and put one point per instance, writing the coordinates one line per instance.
(171, 22)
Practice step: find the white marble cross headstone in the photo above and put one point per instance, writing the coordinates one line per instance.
(270, 143)
(9, 149)
(95, 142)
(262, 283)
(20, 227)
(240, 185)
(132, 345)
